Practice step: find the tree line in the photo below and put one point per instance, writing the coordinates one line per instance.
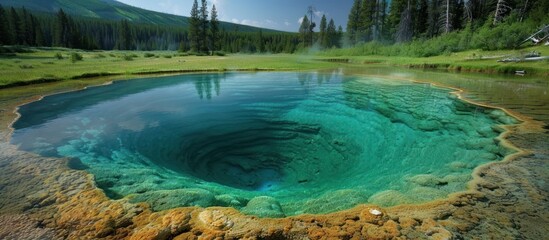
(407, 20)
(23, 27)
(327, 37)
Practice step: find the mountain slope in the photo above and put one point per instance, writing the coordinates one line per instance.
(113, 10)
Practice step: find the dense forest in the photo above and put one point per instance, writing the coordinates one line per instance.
(431, 27)
(401, 27)
(22, 27)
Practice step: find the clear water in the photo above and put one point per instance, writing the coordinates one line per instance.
(269, 144)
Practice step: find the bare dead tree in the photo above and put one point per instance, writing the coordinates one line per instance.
(501, 9)
(523, 10)
(311, 12)
(445, 21)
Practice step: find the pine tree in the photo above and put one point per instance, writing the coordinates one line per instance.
(39, 37)
(214, 29)
(433, 23)
(14, 24)
(353, 22)
(304, 31)
(395, 17)
(194, 28)
(332, 38)
(458, 13)
(421, 18)
(339, 36)
(61, 38)
(22, 37)
(204, 24)
(324, 38)
(381, 32)
(367, 19)
(4, 32)
(124, 36)
(405, 31)
(259, 42)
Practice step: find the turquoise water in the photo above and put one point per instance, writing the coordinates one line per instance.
(269, 144)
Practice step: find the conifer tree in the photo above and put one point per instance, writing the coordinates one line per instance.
(433, 20)
(4, 32)
(332, 38)
(194, 28)
(304, 31)
(405, 31)
(124, 36)
(367, 19)
(260, 44)
(458, 12)
(395, 17)
(61, 38)
(324, 38)
(381, 31)
(14, 25)
(339, 36)
(214, 29)
(353, 22)
(22, 29)
(204, 24)
(421, 17)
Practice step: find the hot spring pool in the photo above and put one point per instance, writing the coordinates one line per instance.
(269, 144)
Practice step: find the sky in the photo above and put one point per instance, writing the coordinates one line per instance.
(282, 15)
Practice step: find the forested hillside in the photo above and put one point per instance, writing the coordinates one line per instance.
(417, 28)
(112, 10)
(19, 26)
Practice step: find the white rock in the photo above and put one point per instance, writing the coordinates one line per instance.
(375, 212)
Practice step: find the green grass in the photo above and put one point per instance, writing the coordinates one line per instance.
(44, 65)
(467, 61)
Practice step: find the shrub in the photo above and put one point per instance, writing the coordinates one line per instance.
(26, 66)
(167, 56)
(76, 57)
(148, 55)
(219, 53)
(59, 56)
(128, 57)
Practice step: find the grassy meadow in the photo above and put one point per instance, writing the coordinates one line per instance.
(38, 65)
(466, 61)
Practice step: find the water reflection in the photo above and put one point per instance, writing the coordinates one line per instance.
(204, 84)
(321, 77)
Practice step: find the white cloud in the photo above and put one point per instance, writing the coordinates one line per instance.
(287, 23)
(300, 20)
(319, 13)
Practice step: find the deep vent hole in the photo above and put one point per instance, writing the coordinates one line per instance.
(253, 157)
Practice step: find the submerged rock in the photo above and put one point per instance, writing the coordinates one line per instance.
(388, 198)
(163, 200)
(264, 206)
